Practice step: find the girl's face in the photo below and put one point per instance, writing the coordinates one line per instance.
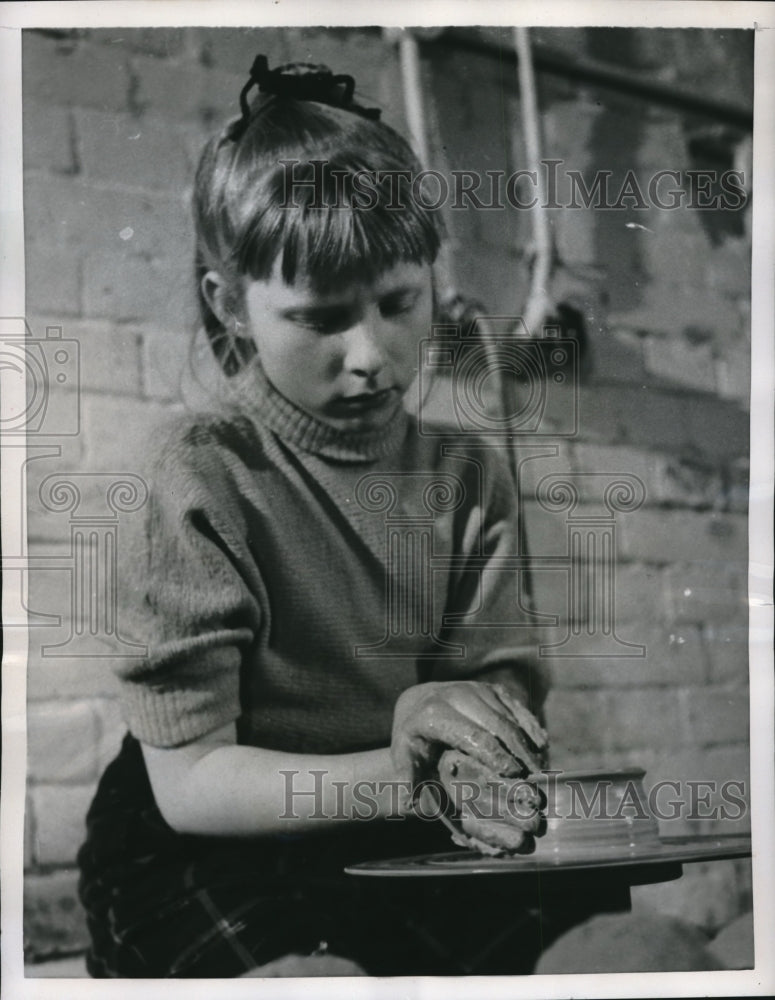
(348, 355)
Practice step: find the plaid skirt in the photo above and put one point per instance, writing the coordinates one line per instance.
(161, 904)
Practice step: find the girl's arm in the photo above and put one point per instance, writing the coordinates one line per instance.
(212, 786)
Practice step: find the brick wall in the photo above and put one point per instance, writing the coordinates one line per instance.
(113, 121)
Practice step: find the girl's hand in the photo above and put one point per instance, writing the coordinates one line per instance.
(484, 721)
(485, 812)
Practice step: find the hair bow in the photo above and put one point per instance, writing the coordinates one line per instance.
(299, 82)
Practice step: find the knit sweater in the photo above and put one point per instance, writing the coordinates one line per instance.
(298, 577)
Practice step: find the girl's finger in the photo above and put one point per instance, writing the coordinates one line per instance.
(482, 705)
(444, 725)
(524, 717)
(512, 732)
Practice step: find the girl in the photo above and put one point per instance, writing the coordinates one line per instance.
(323, 598)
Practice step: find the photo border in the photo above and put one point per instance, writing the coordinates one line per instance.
(761, 980)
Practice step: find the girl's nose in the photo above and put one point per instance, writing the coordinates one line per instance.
(364, 355)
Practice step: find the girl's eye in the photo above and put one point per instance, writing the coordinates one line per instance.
(398, 305)
(323, 322)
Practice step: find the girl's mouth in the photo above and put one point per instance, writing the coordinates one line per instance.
(364, 402)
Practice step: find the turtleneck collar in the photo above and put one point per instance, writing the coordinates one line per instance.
(256, 395)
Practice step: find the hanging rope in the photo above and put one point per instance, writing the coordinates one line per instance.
(452, 303)
(411, 78)
(414, 108)
(538, 303)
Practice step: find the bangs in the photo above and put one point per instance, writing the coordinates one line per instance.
(331, 199)
(337, 222)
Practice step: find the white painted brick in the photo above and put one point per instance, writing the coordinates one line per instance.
(60, 71)
(639, 415)
(49, 596)
(536, 466)
(670, 310)
(48, 137)
(673, 248)
(729, 267)
(178, 92)
(605, 461)
(52, 279)
(706, 591)
(717, 714)
(662, 141)
(86, 218)
(61, 743)
(578, 721)
(109, 355)
(135, 290)
(60, 821)
(112, 730)
(673, 657)
(683, 536)
(575, 235)
(156, 41)
(702, 792)
(727, 647)
(165, 356)
(42, 523)
(691, 365)
(733, 375)
(235, 48)
(76, 677)
(690, 482)
(718, 429)
(118, 433)
(127, 150)
(85, 669)
(646, 717)
(638, 594)
(616, 356)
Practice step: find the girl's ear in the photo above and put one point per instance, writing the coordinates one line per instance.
(215, 293)
(232, 351)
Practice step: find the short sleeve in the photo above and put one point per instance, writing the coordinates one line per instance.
(198, 609)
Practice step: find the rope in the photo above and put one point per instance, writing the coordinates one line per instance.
(538, 301)
(414, 108)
